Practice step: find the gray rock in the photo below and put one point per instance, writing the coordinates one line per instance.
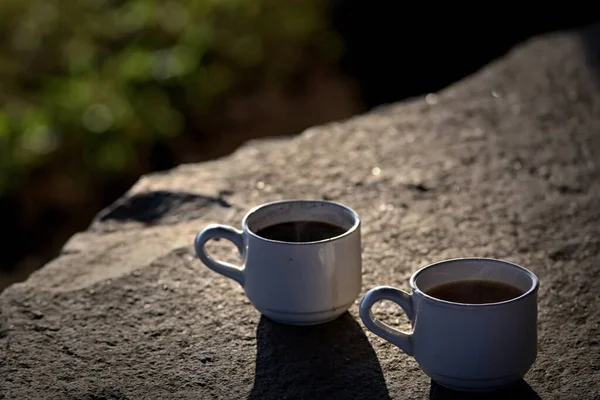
(504, 164)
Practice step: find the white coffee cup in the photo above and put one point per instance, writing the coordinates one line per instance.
(299, 283)
(464, 346)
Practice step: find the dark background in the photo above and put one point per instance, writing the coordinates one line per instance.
(63, 156)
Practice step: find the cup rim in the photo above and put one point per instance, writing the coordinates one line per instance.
(348, 232)
(535, 283)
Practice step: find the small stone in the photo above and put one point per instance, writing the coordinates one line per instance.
(431, 99)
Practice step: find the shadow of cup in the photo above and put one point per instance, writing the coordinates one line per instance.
(520, 390)
(332, 360)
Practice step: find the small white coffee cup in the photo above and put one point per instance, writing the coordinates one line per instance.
(298, 283)
(464, 346)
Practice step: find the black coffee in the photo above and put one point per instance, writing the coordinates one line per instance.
(301, 231)
(474, 292)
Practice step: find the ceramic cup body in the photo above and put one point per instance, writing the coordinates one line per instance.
(299, 283)
(464, 346)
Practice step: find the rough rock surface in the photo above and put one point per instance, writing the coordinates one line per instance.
(504, 164)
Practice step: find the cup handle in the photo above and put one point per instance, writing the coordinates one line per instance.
(216, 231)
(403, 299)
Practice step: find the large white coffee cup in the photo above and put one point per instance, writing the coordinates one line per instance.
(464, 346)
(299, 283)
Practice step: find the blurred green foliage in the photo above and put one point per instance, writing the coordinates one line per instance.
(90, 82)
